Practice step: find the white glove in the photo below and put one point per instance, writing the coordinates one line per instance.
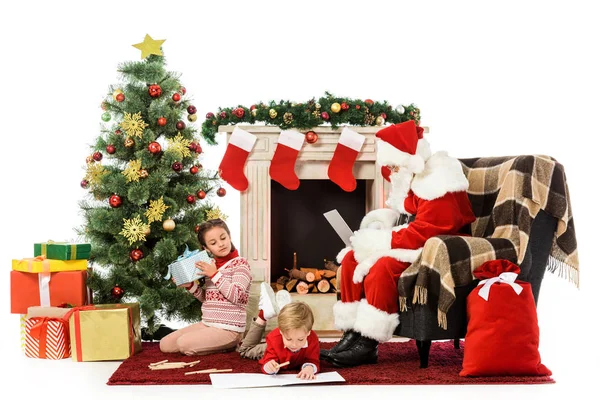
(364, 267)
(368, 241)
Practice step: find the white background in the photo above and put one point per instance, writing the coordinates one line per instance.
(499, 78)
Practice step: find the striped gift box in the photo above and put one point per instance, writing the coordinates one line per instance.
(46, 338)
(23, 335)
(183, 270)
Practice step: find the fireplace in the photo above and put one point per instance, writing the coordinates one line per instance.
(268, 242)
(263, 197)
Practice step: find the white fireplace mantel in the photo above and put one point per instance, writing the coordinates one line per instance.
(312, 163)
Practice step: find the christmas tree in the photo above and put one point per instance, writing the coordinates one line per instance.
(147, 190)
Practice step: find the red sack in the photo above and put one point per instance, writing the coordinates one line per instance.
(502, 331)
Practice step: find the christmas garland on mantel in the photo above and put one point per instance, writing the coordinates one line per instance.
(327, 109)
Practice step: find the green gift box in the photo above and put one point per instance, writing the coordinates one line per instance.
(62, 250)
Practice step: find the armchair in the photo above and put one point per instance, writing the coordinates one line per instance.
(523, 214)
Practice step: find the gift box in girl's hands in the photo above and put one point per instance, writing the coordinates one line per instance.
(183, 270)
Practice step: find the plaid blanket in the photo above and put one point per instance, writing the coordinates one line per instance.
(506, 193)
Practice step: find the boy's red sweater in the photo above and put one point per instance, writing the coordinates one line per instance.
(276, 351)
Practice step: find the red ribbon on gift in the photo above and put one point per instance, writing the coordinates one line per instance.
(39, 331)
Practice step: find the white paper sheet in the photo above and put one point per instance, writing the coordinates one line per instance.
(236, 381)
(339, 225)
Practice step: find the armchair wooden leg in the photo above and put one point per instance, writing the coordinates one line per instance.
(457, 343)
(423, 346)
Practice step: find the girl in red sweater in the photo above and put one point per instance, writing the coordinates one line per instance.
(224, 297)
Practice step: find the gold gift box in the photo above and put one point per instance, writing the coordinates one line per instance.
(40, 264)
(104, 332)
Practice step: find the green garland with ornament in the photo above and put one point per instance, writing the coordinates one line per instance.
(329, 109)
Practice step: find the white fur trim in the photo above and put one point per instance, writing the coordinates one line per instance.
(342, 254)
(402, 255)
(375, 323)
(386, 216)
(368, 241)
(442, 174)
(344, 315)
(389, 155)
(423, 149)
(242, 139)
(351, 139)
(399, 227)
(291, 138)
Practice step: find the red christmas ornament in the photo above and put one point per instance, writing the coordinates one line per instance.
(176, 97)
(162, 121)
(117, 292)
(191, 109)
(154, 147)
(97, 156)
(103, 106)
(115, 201)
(84, 184)
(154, 91)
(110, 149)
(201, 194)
(210, 115)
(136, 255)
(180, 125)
(325, 115)
(369, 102)
(118, 132)
(239, 112)
(344, 106)
(383, 115)
(358, 106)
(182, 90)
(223, 115)
(177, 166)
(193, 170)
(198, 148)
(192, 147)
(311, 137)
(253, 107)
(221, 192)
(120, 97)
(197, 228)
(191, 199)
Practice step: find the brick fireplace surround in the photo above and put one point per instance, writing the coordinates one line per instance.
(255, 203)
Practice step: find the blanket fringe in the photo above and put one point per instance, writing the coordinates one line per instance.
(442, 320)
(564, 270)
(403, 306)
(420, 296)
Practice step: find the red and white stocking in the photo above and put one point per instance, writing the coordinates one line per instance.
(283, 162)
(340, 167)
(238, 149)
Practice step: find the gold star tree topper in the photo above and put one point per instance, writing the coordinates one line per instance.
(149, 46)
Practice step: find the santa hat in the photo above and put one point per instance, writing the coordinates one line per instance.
(402, 145)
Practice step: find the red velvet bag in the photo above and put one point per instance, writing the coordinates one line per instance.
(502, 331)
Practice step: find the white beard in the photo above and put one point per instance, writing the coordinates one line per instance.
(400, 181)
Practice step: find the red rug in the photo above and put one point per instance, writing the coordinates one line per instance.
(398, 365)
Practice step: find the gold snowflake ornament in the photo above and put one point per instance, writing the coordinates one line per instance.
(94, 174)
(179, 145)
(134, 229)
(156, 210)
(134, 125)
(132, 172)
(215, 213)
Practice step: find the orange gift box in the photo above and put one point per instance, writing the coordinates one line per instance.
(27, 289)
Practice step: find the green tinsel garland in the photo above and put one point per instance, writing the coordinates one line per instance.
(310, 114)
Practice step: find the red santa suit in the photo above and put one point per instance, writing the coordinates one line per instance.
(436, 195)
(307, 355)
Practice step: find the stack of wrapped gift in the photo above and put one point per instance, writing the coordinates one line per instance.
(57, 275)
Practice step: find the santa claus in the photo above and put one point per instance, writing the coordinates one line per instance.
(430, 188)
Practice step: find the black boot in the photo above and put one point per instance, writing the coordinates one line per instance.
(345, 342)
(363, 351)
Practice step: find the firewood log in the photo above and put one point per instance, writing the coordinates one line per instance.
(302, 287)
(327, 274)
(330, 265)
(323, 286)
(314, 289)
(333, 282)
(314, 271)
(299, 274)
(281, 281)
(311, 286)
(291, 284)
